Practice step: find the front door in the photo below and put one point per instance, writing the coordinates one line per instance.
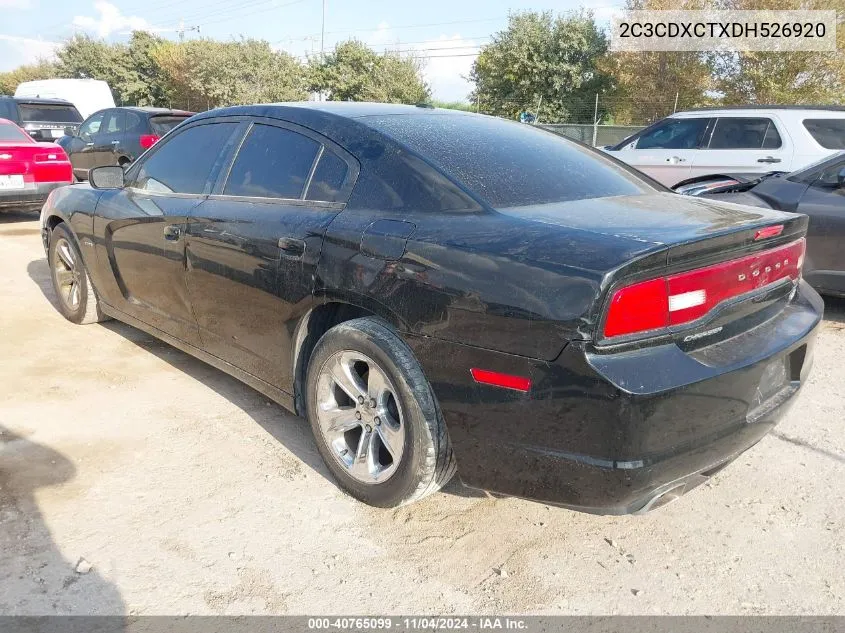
(254, 246)
(107, 138)
(665, 152)
(81, 150)
(141, 228)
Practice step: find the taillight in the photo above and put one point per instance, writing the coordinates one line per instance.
(50, 157)
(148, 140)
(684, 297)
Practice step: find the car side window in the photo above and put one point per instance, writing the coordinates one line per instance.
(674, 134)
(112, 122)
(328, 179)
(131, 121)
(829, 133)
(745, 133)
(91, 126)
(829, 177)
(184, 162)
(8, 110)
(272, 162)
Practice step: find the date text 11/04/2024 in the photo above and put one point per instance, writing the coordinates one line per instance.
(417, 623)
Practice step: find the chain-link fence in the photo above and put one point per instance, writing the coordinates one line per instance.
(597, 120)
(595, 135)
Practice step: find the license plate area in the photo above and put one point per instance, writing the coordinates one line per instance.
(11, 182)
(778, 383)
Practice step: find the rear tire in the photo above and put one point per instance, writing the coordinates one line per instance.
(374, 417)
(77, 300)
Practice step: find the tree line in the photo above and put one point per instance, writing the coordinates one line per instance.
(556, 66)
(201, 74)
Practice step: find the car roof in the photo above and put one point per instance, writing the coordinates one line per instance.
(790, 112)
(151, 110)
(343, 122)
(39, 100)
(301, 111)
(834, 108)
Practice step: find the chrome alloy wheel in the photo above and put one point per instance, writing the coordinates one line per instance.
(68, 275)
(359, 416)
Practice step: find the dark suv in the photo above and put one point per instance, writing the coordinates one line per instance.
(117, 136)
(43, 119)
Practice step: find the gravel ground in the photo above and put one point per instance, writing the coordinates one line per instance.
(135, 479)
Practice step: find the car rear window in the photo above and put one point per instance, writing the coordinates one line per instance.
(49, 113)
(12, 133)
(161, 125)
(510, 164)
(829, 133)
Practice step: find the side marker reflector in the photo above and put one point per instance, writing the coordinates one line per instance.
(506, 381)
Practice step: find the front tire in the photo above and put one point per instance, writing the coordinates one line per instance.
(375, 419)
(77, 300)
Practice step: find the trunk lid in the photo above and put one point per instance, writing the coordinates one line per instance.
(675, 234)
(35, 162)
(660, 219)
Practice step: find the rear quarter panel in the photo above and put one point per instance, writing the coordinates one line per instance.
(476, 278)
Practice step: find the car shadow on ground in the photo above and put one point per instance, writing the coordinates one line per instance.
(36, 578)
(834, 309)
(11, 217)
(291, 431)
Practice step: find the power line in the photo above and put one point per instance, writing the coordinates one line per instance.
(406, 26)
(225, 13)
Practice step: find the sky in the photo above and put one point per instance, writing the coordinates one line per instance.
(446, 33)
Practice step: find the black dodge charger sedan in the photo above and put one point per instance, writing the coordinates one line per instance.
(438, 291)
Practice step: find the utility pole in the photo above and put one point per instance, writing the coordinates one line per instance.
(323, 32)
(596, 120)
(675, 109)
(537, 116)
(182, 30)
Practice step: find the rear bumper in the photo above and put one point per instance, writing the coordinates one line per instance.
(611, 433)
(32, 196)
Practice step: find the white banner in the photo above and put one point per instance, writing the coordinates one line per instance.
(723, 31)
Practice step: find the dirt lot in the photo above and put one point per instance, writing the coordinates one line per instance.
(187, 492)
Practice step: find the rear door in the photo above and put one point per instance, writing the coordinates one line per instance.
(665, 152)
(141, 228)
(744, 145)
(254, 245)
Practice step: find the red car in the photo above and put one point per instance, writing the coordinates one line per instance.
(29, 170)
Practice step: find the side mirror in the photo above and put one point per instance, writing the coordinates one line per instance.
(840, 178)
(108, 177)
(70, 131)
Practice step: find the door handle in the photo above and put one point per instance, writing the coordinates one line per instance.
(675, 159)
(89, 144)
(115, 143)
(292, 246)
(172, 232)
(768, 159)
